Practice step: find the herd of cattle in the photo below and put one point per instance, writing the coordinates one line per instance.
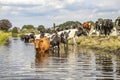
(52, 38)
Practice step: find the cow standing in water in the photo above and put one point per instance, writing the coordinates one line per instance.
(42, 45)
(55, 41)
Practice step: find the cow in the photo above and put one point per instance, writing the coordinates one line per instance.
(42, 45)
(36, 44)
(22, 37)
(32, 35)
(80, 32)
(55, 41)
(26, 38)
(117, 21)
(42, 34)
(87, 26)
(104, 26)
(117, 25)
(64, 37)
(99, 26)
(108, 26)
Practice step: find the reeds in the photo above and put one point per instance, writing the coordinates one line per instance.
(4, 36)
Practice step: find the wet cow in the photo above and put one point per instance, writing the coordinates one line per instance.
(42, 45)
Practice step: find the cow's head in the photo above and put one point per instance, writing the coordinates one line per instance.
(36, 43)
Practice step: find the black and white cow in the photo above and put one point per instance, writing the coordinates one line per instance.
(104, 26)
(117, 25)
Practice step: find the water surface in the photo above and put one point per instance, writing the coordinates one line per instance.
(18, 60)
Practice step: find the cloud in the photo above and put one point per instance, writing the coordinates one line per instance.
(47, 12)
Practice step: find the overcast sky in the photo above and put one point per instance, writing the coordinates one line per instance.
(47, 12)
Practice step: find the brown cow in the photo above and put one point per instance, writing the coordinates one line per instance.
(87, 25)
(42, 45)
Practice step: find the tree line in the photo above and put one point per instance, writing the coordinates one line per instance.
(5, 25)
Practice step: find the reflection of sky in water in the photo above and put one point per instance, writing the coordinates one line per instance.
(18, 61)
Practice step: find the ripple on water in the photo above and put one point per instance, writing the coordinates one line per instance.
(18, 61)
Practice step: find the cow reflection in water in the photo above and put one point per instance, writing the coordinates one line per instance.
(63, 52)
(41, 60)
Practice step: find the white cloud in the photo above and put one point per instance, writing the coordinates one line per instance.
(22, 1)
(5, 8)
(47, 12)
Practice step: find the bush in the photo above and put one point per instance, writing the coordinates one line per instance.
(4, 36)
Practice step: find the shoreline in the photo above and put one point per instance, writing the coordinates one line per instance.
(102, 43)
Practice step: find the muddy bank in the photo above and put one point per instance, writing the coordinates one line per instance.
(102, 43)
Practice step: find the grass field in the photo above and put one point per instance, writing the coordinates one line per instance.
(4, 36)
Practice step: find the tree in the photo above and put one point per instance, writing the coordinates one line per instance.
(5, 24)
(28, 27)
(40, 27)
(69, 24)
(100, 19)
(15, 30)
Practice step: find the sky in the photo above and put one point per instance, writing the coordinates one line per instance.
(47, 12)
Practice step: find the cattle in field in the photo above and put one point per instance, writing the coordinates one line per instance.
(80, 32)
(42, 45)
(70, 33)
(99, 26)
(117, 22)
(87, 26)
(104, 26)
(108, 26)
(117, 25)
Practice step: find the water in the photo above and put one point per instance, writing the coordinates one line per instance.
(18, 61)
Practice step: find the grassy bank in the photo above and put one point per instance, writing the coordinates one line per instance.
(99, 43)
(4, 36)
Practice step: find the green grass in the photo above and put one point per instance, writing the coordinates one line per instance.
(101, 43)
(4, 36)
